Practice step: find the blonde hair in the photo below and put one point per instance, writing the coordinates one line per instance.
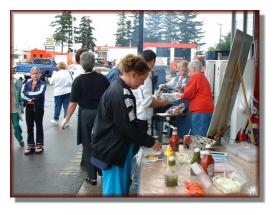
(183, 64)
(35, 69)
(134, 63)
(61, 65)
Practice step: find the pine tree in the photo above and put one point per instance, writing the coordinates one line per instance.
(84, 34)
(128, 35)
(189, 30)
(169, 27)
(63, 32)
(153, 27)
(135, 29)
(121, 31)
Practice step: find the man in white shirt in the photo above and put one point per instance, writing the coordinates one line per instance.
(76, 69)
(145, 100)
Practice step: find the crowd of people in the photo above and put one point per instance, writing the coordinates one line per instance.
(113, 111)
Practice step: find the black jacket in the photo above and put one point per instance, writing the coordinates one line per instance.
(116, 125)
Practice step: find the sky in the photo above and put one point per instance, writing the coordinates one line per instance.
(31, 29)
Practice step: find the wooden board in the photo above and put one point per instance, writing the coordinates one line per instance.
(230, 85)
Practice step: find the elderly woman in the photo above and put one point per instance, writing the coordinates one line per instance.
(177, 84)
(87, 90)
(198, 92)
(62, 81)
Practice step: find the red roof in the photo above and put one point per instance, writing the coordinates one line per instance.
(170, 45)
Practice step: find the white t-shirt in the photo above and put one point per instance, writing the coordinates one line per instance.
(144, 99)
(76, 70)
(62, 81)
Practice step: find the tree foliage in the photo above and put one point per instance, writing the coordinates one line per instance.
(153, 26)
(84, 34)
(223, 45)
(178, 27)
(63, 29)
(122, 33)
(135, 29)
(188, 29)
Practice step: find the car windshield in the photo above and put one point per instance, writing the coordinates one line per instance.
(42, 61)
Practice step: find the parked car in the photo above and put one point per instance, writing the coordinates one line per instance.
(102, 70)
(47, 66)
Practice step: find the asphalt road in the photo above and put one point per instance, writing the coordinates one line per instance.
(54, 172)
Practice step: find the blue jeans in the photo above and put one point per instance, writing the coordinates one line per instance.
(62, 100)
(200, 123)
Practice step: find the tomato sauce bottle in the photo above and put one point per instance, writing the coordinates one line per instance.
(207, 163)
(174, 140)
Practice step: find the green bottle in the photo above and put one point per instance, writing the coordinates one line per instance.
(171, 177)
(196, 158)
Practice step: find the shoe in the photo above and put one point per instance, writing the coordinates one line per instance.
(39, 148)
(66, 125)
(90, 181)
(29, 150)
(55, 122)
(21, 143)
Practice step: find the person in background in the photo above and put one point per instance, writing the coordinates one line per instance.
(177, 84)
(144, 93)
(198, 92)
(117, 132)
(76, 69)
(62, 81)
(17, 110)
(87, 90)
(114, 74)
(33, 95)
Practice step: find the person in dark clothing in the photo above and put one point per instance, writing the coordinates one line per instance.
(87, 90)
(33, 95)
(117, 133)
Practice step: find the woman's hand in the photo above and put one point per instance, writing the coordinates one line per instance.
(179, 95)
(162, 86)
(64, 123)
(157, 145)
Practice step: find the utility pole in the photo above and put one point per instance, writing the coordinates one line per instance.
(73, 38)
(140, 39)
(220, 29)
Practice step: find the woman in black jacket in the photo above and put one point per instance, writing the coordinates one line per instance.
(116, 131)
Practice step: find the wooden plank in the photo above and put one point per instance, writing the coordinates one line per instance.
(230, 85)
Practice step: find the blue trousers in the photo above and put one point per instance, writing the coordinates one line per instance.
(200, 123)
(116, 180)
(62, 100)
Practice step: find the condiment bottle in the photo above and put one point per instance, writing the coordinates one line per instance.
(174, 140)
(207, 163)
(171, 177)
(169, 153)
(195, 159)
(186, 141)
(208, 147)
